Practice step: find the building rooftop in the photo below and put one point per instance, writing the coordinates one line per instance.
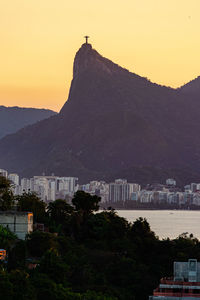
(13, 212)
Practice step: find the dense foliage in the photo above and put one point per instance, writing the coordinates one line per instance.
(87, 255)
(6, 195)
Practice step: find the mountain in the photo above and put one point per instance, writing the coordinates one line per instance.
(14, 118)
(192, 87)
(113, 122)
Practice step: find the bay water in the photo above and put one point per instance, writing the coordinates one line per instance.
(167, 223)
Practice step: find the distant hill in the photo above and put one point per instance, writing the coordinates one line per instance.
(14, 118)
(114, 122)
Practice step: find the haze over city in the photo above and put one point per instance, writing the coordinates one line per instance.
(152, 38)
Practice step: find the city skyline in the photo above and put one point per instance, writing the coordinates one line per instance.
(39, 40)
(118, 192)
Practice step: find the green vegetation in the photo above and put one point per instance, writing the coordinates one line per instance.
(7, 238)
(86, 255)
(30, 202)
(6, 195)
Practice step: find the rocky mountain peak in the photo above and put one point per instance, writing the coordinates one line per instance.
(113, 123)
(88, 58)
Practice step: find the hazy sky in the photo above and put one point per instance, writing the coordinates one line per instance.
(158, 39)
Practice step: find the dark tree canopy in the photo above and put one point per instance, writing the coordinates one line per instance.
(31, 202)
(7, 238)
(85, 203)
(6, 194)
(5, 184)
(59, 210)
(94, 256)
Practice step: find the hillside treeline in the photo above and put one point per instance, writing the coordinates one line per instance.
(84, 254)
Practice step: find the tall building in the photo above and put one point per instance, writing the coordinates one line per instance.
(185, 284)
(146, 196)
(52, 191)
(14, 178)
(163, 197)
(188, 198)
(3, 173)
(193, 187)
(25, 185)
(16, 188)
(120, 190)
(196, 198)
(49, 188)
(66, 186)
(67, 183)
(41, 187)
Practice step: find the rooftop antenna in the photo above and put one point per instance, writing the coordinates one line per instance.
(86, 39)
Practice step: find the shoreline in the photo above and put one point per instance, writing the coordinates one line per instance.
(147, 209)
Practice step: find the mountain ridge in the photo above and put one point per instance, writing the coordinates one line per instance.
(112, 121)
(13, 118)
(192, 87)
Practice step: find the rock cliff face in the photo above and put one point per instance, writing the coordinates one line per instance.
(14, 118)
(113, 122)
(87, 59)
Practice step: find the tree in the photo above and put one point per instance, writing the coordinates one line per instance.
(5, 184)
(17, 255)
(48, 289)
(108, 229)
(59, 210)
(7, 238)
(52, 265)
(85, 203)
(6, 287)
(31, 202)
(141, 228)
(6, 194)
(91, 295)
(144, 238)
(39, 242)
(22, 288)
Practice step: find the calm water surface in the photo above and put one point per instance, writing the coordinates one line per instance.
(167, 223)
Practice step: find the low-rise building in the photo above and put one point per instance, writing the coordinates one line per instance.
(185, 284)
(20, 223)
(171, 181)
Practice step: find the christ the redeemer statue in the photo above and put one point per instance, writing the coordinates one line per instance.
(86, 38)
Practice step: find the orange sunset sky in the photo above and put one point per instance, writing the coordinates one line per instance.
(158, 39)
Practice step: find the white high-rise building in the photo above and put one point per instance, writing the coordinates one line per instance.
(52, 191)
(16, 188)
(41, 187)
(14, 178)
(45, 187)
(3, 173)
(25, 185)
(120, 190)
(67, 185)
(146, 196)
(196, 198)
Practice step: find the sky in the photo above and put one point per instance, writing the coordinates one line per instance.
(158, 39)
